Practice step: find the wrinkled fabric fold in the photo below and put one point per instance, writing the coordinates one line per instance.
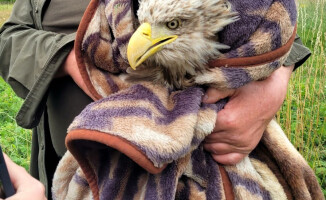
(144, 141)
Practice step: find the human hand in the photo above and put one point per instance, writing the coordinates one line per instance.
(240, 125)
(70, 67)
(27, 187)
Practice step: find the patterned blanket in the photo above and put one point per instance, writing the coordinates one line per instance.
(143, 141)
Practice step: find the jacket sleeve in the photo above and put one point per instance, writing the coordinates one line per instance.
(298, 54)
(29, 58)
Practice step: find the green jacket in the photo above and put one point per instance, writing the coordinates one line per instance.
(29, 59)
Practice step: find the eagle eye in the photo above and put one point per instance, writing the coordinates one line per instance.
(174, 24)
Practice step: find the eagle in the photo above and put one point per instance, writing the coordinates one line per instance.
(176, 39)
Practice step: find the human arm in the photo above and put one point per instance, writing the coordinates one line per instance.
(70, 68)
(240, 125)
(25, 185)
(241, 143)
(30, 57)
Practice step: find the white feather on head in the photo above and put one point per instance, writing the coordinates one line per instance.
(178, 62)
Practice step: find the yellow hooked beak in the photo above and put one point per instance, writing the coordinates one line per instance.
(142, 45)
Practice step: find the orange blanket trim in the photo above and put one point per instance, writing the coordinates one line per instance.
(255, 60)
(126, 148)
(90, 10)
(123, 145)
(231, 62)
(115, 142)
(227, 185)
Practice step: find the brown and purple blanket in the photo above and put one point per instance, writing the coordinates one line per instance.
(143, 141)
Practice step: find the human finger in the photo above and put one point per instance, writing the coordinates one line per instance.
(229, 159)
(219, 136)
(220, 148)
(25, 185)
(233, 147)
(213, 95)
(18, 175)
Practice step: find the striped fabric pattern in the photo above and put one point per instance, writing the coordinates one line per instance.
(143, 141)
(274, 170)
(263, 27)
(176, 120)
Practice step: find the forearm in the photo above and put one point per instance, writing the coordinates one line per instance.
(28, 62)
(29, 59)
(26, 52)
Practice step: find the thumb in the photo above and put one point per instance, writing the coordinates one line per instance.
(213, 95)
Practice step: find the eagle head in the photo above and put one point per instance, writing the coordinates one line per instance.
(175, 39)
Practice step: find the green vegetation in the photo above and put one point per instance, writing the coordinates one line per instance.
(5, 10)
(302, 115)
(7, 2)
(15, 141)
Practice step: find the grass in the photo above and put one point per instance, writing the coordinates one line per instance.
(5, 10)
(14, 140)
(302, 115)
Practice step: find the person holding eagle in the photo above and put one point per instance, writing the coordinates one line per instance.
(54, 88)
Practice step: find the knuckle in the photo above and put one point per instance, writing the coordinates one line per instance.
(245, 142)
(228, 119)
(236, 139)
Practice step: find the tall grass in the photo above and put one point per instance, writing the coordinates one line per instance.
(302, 115)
